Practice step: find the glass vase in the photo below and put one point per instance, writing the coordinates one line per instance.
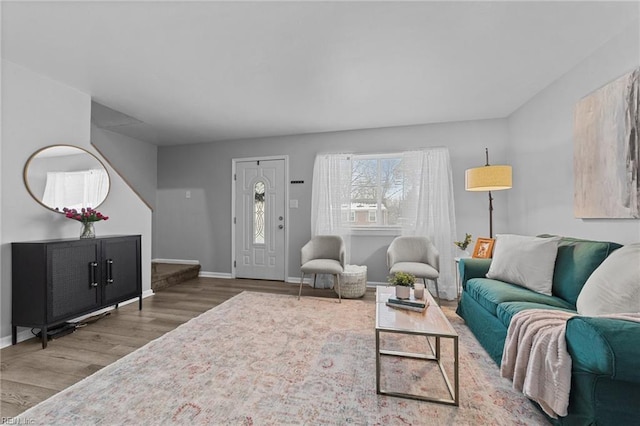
(463, 253)
(87, 230)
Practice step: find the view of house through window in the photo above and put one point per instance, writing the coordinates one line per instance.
(377, 191)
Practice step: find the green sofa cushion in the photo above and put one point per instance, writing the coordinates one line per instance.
(490, 293)
(575, 262)
(507, 310)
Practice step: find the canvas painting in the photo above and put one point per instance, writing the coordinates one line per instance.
(606, 151)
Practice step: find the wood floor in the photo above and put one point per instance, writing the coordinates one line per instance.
(29, 374)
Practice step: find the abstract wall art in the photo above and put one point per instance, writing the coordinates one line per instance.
(607, 152)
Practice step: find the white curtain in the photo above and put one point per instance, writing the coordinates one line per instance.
(428, 209)
(54, 190)
(96, 187)
(75, 190)
(331, 201)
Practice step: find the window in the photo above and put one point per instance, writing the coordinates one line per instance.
(352, 216)
(411, 192)
(377, 190)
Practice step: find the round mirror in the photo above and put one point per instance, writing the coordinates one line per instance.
(61, 176)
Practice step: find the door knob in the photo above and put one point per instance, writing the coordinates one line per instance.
(280, 226)
(280, 218)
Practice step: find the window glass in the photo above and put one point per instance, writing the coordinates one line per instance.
(377, 190)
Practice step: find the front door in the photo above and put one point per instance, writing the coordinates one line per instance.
(259, 221)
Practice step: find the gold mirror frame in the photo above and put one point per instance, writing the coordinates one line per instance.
(35, 181)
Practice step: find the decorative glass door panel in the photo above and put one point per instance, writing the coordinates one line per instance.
(258, 213)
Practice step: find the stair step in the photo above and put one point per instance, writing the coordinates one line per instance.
(165, 275)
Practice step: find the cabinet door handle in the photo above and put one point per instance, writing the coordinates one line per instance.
(92, 274)
(109, 271)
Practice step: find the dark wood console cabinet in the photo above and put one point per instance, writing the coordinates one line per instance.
(58, 280)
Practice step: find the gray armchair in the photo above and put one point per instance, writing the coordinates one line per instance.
(324, 254)
(417, 256)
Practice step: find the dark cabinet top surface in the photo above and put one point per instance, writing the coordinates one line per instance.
(68, 240)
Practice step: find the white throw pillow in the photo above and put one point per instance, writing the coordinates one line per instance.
(526, 261)
(614, 287)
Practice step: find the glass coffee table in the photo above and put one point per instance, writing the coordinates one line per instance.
(432, 324)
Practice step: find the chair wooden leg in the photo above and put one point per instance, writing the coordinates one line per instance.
(300, 291)
(336, 278)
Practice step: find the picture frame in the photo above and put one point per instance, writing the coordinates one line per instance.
(605, 154)
(483, 248)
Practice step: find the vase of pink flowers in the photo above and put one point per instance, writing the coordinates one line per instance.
(87, 217)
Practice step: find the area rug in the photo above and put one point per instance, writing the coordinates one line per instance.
(265, 359)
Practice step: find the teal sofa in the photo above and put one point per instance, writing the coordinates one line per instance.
(605, 353)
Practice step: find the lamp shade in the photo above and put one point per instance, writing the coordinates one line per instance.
(488, 178)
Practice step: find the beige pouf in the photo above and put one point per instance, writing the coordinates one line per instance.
(353, 281)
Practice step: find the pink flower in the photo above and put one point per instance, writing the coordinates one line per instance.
(85, 215)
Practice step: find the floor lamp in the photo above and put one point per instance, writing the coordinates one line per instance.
(488, 178)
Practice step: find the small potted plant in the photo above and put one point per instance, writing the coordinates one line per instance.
(403, 282)
(462, 245)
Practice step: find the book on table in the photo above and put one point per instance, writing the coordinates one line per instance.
(408, 302)
(407, 307)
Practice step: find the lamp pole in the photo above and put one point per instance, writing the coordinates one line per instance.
(486, 153)
(490, 215)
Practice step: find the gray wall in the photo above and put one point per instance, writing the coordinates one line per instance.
(136, 161)
(536, 140)
(199, 228)
(541, 148)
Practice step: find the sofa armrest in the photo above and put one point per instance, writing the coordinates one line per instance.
(472, 268)
(605, 346)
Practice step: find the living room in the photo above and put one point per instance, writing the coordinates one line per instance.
(150, 181)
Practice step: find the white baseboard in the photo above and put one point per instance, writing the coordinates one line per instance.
(289, 280)
(176, 261)
(206, 274)
(296, 280)
(27, 334)
(22, 336)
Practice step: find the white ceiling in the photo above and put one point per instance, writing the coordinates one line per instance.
(210, 71)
